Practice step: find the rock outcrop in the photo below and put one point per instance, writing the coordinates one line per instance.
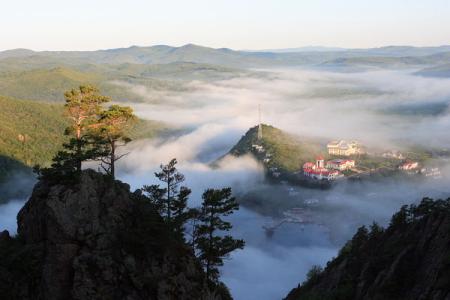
(95, 240)
(408, 260)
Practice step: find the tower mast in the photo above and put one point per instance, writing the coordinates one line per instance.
(260, 135)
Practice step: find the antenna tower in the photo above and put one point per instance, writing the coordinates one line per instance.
(260, 135)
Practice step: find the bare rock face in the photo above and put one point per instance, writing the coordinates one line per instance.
(408, 260)
(99, 241)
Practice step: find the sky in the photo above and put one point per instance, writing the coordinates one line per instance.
(236, 24)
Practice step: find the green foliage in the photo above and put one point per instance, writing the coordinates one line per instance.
(399, 252)
(111, 134)
(42, 124)
(148, 233)
(83, 109)
(314, 273)
(42, 84)
(208, 241)
(400, 218)
(170, 199)
(212, 246)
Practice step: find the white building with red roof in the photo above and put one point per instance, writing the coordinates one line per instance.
(318, 171)
(409, 165)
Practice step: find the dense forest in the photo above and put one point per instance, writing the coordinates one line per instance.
(410, 259)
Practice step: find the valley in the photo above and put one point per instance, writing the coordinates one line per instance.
(200, 105)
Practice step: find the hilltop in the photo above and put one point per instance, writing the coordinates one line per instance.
(286, 151)
(407, 260)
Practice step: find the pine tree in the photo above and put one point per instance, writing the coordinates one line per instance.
(170, 199)
(211, 245)
(111, 134)
(83, 107)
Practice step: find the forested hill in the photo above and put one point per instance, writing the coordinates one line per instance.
(410, 259)
(163, 54)
(42, 124)
(286, 151)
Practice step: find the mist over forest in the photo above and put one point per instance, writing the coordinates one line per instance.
(381, 108)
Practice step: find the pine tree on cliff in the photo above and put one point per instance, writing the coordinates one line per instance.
(170, 199)
(83, 107)
(111, 134)
(211, 246)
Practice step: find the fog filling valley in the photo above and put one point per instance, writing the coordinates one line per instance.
(381, 109)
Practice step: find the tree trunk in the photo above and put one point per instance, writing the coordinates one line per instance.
(113, 158)
(78, 154)
(208, 262)
(168, 199)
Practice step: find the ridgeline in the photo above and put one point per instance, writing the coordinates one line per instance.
(410, 259)
(286, 152)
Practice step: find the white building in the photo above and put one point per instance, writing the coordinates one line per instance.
(344, 148)
(340, 164)
(409, 165)
(318, 171)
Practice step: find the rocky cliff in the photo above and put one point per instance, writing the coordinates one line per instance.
(408, 260)
(95, 240)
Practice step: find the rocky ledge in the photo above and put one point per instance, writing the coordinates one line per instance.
(95, 240)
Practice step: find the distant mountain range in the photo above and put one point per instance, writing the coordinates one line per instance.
(163, 54)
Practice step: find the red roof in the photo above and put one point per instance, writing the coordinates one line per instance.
(308, 165)
(320, 157)
(323, 172)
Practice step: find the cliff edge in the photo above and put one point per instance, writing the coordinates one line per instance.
(95, 240)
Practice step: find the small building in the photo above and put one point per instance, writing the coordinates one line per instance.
(258, 148)
(393, 154)
(323, 174)
(276, 174)
(340, 164)
(344, 148)
(409, 165)
(318, 171)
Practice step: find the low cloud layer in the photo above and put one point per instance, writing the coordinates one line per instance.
(383, 108)
(8, 213)
(375, 107)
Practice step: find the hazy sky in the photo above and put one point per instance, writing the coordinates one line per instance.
(243, 24)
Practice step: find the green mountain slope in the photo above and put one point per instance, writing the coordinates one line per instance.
(287, 152)
(49, 83)
(43, 125)
(42, 84)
